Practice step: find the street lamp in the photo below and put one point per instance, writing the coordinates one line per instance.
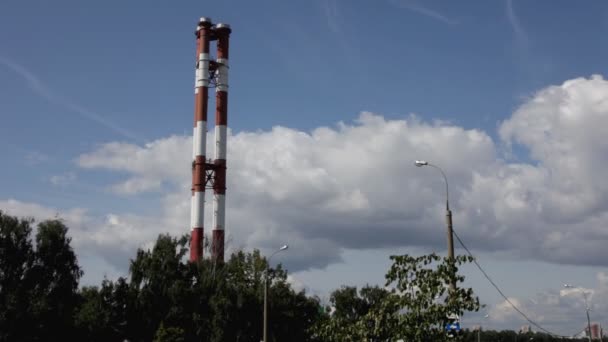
(587, 308)
(266, 292)
(448, 214)
(479, 330)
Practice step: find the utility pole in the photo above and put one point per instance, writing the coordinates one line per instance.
(588, 322)
(265, 329)
(450, 233)
(448, 218)
(587, 308)
(265, 338)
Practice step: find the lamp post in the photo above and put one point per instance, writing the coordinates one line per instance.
(587, 308)
(266, 292)
(479, 330)
(448, 215)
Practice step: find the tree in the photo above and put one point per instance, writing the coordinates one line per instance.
(92, 316)
(291, 314)
(421, 291)
(16, 260)
(55, 273)
(169, 334)
(352, 316)
(207, 301)
(103, 313)
(411, 310)
(350, 306)
(237, 305)
(160, 282)
(37, 286)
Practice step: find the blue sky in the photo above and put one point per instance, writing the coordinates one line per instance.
(77, 75)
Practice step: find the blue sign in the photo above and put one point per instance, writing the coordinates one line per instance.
(452, 329)
(455, 326)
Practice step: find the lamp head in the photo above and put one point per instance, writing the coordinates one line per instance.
(420, 163)
(284, 247)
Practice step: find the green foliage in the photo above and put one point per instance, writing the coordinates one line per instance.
(38, 285)
(169, 334)
(354, 315)
(102, 312)
(421, 287)
(170, 299)
(410, 311)
(16, 259)
(56, 274)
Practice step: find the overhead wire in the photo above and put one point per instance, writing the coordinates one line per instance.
(502, 293)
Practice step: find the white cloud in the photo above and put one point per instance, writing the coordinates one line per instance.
(136, 185)
(63, 179)
(39, 213)
(504, 310)
(320, 191)
(602, 278)
(151, 165)
(296, 284)
(355, 186)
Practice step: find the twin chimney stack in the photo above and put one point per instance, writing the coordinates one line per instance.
(208, 174)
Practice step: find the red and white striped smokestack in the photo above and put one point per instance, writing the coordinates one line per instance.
(199, 138)
(222, 32)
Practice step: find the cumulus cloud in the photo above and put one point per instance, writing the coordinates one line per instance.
(40, 213)
(320, 191)
(565, 190)
(504, 310)
(355, 185)
(149, 166)
(296, 284)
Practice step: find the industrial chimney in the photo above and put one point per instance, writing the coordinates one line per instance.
(207, 174)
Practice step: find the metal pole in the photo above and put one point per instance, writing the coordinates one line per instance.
(265, 329)
(587, 311)
(589, 325)
(450, 234)
(448, 216)
(266, 305)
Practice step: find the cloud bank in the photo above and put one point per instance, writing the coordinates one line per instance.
(355, 185)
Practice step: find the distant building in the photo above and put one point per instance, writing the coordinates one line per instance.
(525, 329)
(476, 328)
(596, 331)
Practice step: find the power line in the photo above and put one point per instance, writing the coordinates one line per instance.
(501, 293)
